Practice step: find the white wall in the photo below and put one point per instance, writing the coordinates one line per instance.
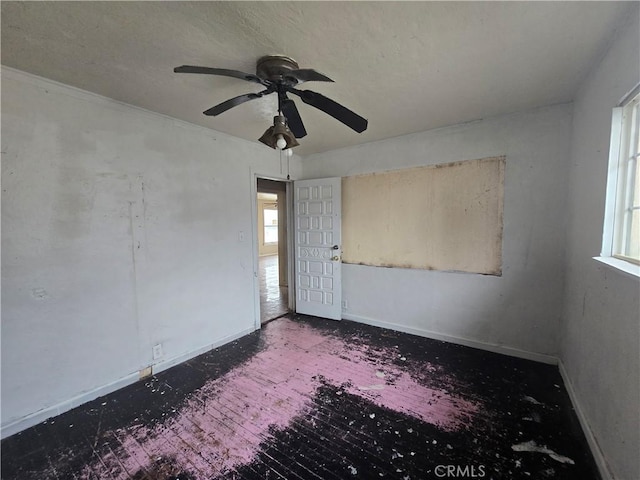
(114, 239)
(520, 310)
(601, 333)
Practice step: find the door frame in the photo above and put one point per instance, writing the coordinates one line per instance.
(255, 247)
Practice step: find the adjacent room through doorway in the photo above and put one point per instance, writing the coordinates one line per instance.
(272, 249)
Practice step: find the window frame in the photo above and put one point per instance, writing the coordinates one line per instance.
(272, 206)
(620, 184)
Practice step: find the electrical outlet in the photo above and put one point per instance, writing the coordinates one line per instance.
(345, 305)
(157, 351)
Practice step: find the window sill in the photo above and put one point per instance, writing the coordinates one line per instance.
(620, 265)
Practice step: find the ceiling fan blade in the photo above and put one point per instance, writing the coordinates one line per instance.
(330, 107)
(308, 75)
(290, 111)
(249, 77)
(234, 102)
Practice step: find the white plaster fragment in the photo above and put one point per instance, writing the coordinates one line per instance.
(534, 417)
(377, 386)
(379, 374)
(353, 470)
(532, 446)
(529, 399)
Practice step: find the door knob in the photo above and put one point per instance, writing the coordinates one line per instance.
(335, 258)
(335, 247)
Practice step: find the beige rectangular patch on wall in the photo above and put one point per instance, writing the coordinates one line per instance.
(444, 217)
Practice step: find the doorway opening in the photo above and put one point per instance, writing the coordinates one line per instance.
(273, 249)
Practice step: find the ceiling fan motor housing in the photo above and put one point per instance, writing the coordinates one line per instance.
(276, 68)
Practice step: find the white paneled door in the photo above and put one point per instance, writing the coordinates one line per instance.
(318, 247)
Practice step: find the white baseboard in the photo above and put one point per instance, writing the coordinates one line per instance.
(512, 352)
(166, 364)
(598, 456)
(40, 416)
(54, 410)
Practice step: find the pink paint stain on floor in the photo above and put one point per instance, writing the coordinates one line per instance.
(228, 418)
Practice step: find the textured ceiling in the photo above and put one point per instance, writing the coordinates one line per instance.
(405, 66)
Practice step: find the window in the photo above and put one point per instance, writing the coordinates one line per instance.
(270, 216)
(621, 237)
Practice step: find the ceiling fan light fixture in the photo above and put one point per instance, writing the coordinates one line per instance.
(279, 136)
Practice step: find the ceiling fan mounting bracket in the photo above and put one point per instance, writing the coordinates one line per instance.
(276, 68)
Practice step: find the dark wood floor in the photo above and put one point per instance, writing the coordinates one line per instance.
(306, 398)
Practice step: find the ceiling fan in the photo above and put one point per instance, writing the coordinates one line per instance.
(281, 74)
